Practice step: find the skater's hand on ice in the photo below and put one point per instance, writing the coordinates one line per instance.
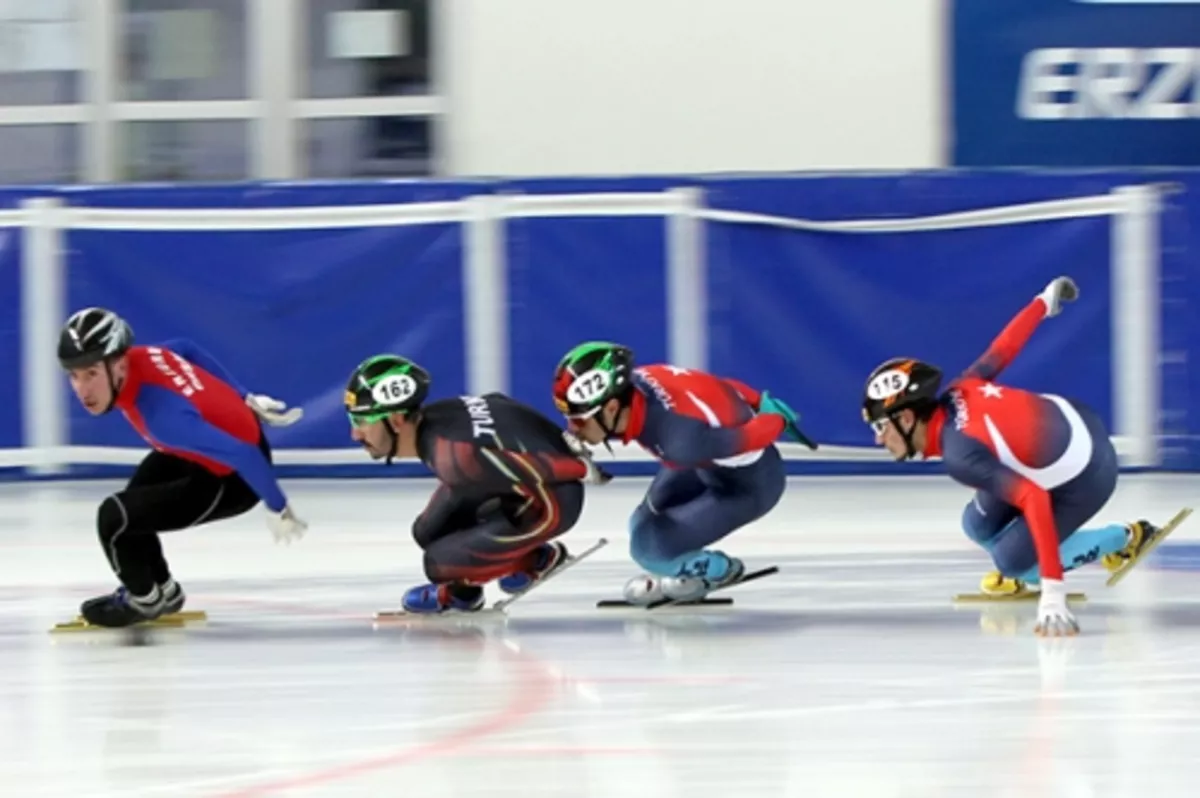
(285, 525)
(1060, 290)
(273, 411)
(1054, 617)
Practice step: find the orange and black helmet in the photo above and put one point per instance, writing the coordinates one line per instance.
(902, 383)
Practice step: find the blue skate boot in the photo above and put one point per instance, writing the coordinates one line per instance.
(119, 609)
(702, 574)
(534, 566)
(431, 599)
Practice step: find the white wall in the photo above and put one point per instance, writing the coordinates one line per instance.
(654, 86)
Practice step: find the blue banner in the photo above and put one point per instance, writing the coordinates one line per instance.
(11, 356)
(288, 313)
(1076, 83)
(575, 280)
(804, 314)
(808, 315)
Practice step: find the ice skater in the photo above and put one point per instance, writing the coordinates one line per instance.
(1042, 465)
(510, 483)
(716, 439)
(210, 459)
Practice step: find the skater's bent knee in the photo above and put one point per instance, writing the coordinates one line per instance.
(111, 517)
(644, 549)
(1013, 561)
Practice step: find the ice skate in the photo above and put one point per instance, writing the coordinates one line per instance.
(434, 599)
(1144, 537)
(996, 587)
(119, 609)
(537, 565)
(642, 591)
(171, 613)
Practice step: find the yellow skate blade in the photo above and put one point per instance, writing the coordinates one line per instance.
(392, 616)
(171, 621)
(1119, 574)
(80, 625)
(1011, 598)
(187, 615)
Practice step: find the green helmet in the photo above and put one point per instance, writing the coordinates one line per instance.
(591, 374)
(383, 385)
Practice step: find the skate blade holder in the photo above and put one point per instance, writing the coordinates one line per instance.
(1129, 564)
(176, 620)
(497, 610)
(707, 601)
(1018, 598)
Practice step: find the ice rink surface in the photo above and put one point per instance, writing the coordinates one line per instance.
(850, 673)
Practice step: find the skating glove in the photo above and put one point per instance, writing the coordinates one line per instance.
(273, 411)
(595, 474)
(285, 525)
(1059, 291)
(1054, 617)
(791, 429)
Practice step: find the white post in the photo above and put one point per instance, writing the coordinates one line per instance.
(1135, 323)
(42, 301)
(687, 308)
(485, 296)
(102, 44)
(276, 41)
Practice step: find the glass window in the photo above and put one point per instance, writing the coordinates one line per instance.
(185, 150)
(384, 146)
(183, 50)
(41, 52)
(39, 154)
(368, 48)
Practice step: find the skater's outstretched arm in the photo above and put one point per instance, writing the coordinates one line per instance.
(1009, 342)
(1012, 338)
(177, 424)
(972, 463)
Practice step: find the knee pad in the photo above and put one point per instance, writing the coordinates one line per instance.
(111, 518)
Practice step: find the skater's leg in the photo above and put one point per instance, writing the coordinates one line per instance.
(672, 487)
(672, 542)
(445, 513)
(458, 564)
(165, 494)
(495, 547)
(985, 516)
(1074, 505)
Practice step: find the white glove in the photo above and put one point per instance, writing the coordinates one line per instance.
(273, 411)
(1054, 618)
(595, 474)
(1059, 290)
(285, 526)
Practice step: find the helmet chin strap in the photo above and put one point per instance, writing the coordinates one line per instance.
(393, 440)
(910, 451)
(610, 432)
(113, 388)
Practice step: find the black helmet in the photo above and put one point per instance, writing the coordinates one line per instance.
(591, 374)
(385, 384)
(92, 335)
(901, 383)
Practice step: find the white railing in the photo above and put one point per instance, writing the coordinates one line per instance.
(1135, 277)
